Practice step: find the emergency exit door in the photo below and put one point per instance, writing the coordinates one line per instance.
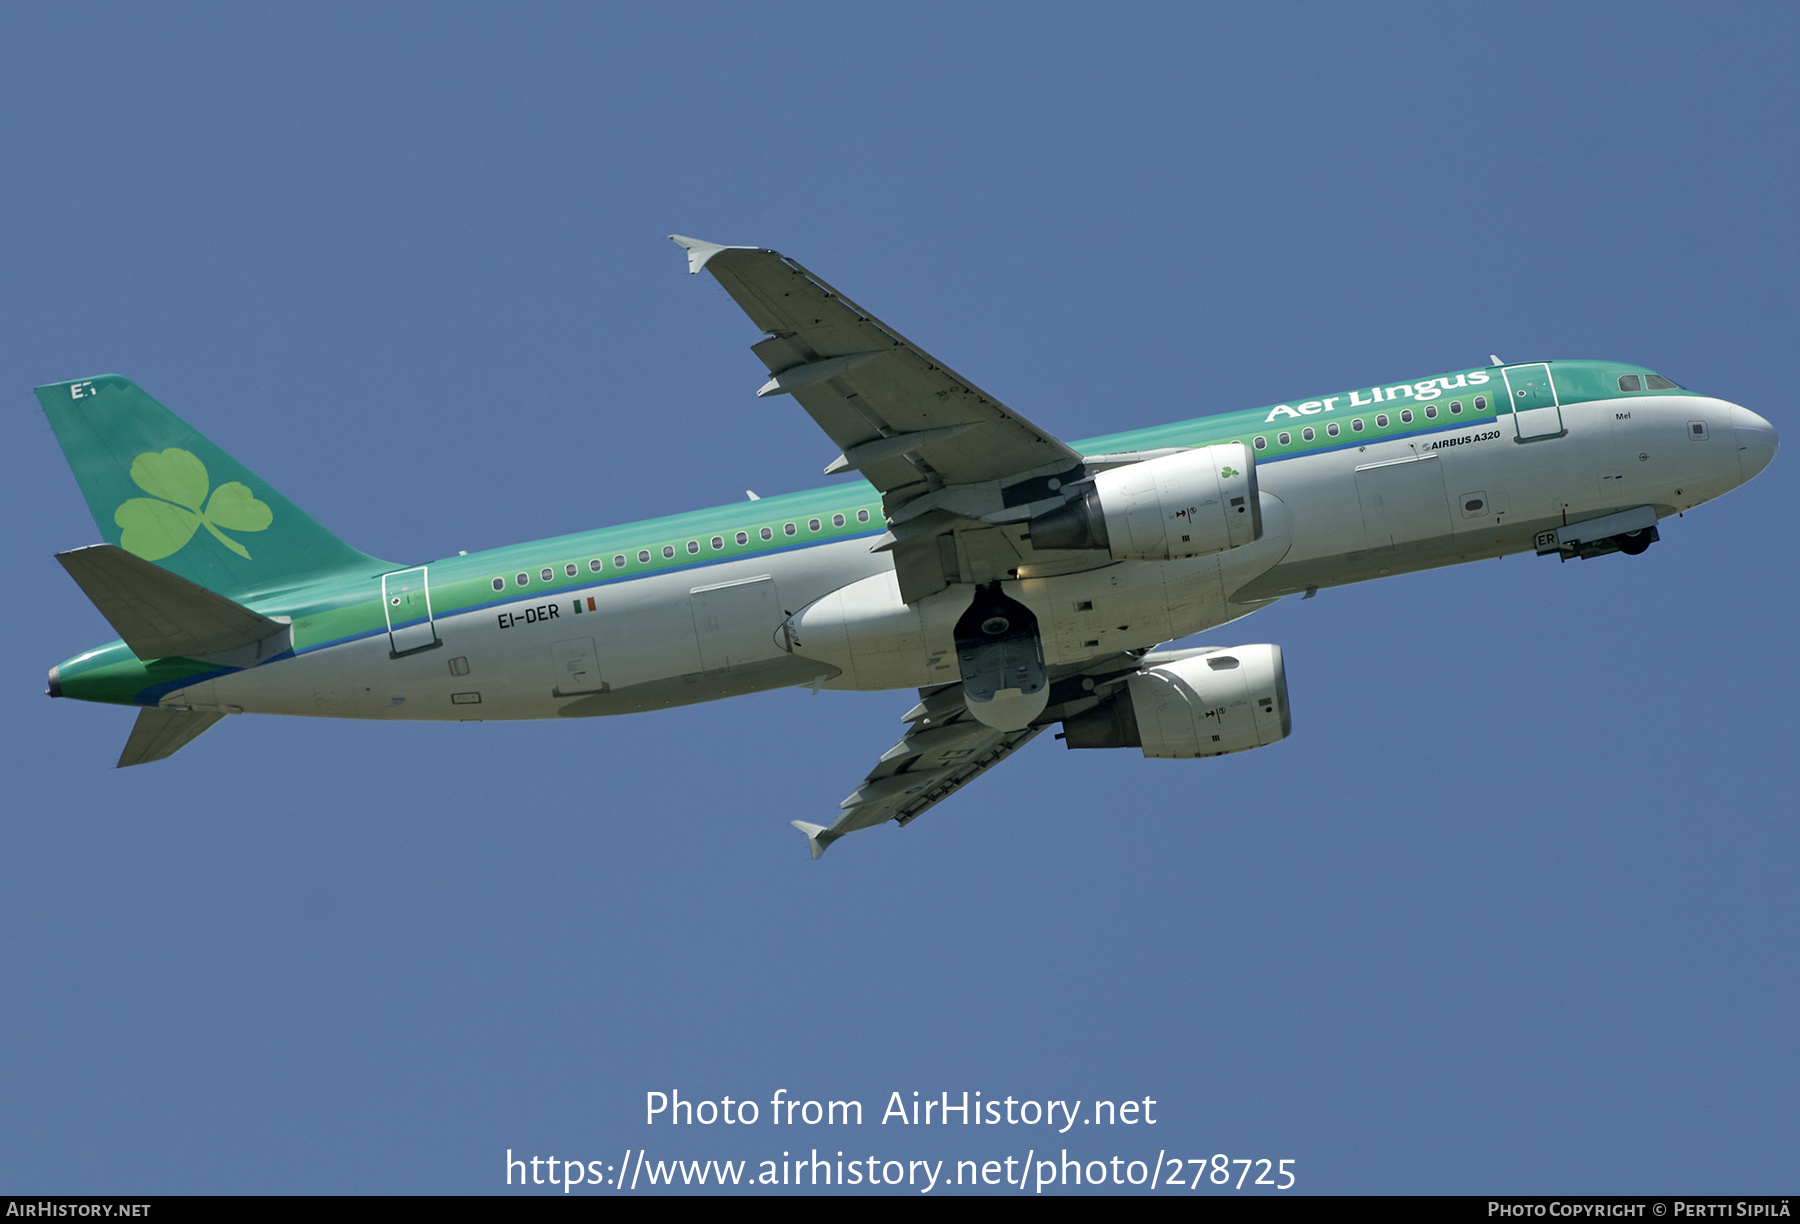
(406, 597)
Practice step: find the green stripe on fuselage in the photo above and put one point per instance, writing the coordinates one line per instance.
(338, 610)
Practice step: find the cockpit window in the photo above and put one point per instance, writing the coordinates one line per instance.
(1630, 382)
(1656, 382)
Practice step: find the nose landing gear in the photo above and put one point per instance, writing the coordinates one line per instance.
(1628, 531)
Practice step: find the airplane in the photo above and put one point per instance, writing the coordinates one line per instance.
(1016, 581)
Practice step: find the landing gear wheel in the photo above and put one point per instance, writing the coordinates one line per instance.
(1634, 543)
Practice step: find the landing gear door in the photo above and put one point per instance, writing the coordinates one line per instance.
(1537, 413)
(406, 597)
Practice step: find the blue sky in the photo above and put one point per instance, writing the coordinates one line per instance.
(1511, 911)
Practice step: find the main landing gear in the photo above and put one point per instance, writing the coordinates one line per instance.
(1001, 660)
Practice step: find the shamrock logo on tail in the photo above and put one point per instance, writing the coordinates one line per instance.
(163, 523)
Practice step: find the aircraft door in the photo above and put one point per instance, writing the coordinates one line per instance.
(577, 668)
(406, 597)
(735, 622)
(1403, 500)
(1537, 413)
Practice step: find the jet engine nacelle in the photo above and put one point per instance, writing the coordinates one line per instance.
(1184, 505)
(1223, 701)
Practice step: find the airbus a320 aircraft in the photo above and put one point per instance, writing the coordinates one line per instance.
(1015, 580)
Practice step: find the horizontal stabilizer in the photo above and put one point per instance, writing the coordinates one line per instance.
(161, 615)
(817, 836)
(163, 733)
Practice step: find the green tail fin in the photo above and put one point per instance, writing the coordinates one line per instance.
(164, 492)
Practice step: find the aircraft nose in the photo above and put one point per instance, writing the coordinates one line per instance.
(1756, 441)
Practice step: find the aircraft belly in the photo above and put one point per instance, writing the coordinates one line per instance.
(1099, 611)
(671, 639)
(695, 687)
(1134, 604)
(360, 679)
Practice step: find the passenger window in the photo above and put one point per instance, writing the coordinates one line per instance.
(571, 569)
(1356, 425)
(718, 542)
(862, 516)
(693, 547)
(1332, 429)
(619, 561)
(767, 534)
(1630, 382)
(789, 529)
(596, 565)
(1381, 421)
(522, 579)
(1406, 416)
(1431, 412)
(1481, 403)
(1262, 443)
(1307, 435)
(837, 520)
(1284, 438)
(499, 584)
(743, 537)
(546, 573)
(1656, 382)
(668, 552)
(1455, 407)
(812, 525)
(644, 556)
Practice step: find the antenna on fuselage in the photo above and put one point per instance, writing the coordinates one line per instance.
(751, 494)
(1495, 359)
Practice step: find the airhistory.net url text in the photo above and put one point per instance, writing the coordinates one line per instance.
(637, 1172)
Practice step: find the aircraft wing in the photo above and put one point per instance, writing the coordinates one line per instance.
(876, 394)
(946, 748)
(934, 759)
(943, 452)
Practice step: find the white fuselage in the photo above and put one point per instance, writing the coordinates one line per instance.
(1329, 518)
